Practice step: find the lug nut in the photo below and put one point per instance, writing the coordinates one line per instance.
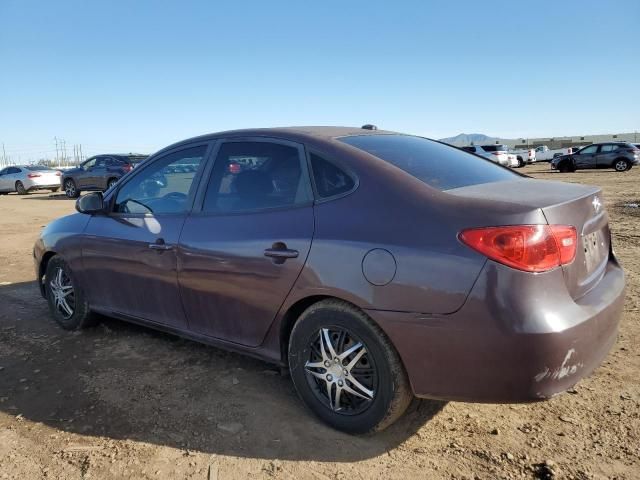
(346, 372)
(340, 383)
(329, 377)
(327, 363)
(336, 360)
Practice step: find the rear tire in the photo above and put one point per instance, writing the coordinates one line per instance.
(70, 189)
(67, 302)
(621, 165)
(360, 392)
(20, 188)
(111, 182)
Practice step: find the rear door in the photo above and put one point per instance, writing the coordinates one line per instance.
(607, 155)
(243, 249)
(586, 158)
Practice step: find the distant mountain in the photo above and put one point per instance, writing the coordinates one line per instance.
(469, 138)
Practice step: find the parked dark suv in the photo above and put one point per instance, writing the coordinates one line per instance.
(99, 173)
(620, 156)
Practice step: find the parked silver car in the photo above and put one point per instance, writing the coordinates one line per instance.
(25, 178)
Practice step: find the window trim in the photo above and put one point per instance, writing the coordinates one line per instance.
(318, 200)
(198, 178)
(198, 205)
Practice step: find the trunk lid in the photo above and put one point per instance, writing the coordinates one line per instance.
(561, 204)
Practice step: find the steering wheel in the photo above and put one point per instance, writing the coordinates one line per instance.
(175, 196)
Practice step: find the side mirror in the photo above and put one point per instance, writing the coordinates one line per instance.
(90, 203)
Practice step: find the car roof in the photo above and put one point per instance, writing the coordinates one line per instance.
(299, 133)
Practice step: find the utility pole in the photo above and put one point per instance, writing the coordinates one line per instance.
(57, 160)
(4, 156)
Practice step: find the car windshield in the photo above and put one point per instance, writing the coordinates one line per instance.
(436, 164)
(38, 168)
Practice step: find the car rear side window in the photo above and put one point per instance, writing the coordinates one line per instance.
(438, 165)
(249, 176)
(330, 180)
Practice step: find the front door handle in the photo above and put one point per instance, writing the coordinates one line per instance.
(275, 253)
(279, 253)
(160, 245)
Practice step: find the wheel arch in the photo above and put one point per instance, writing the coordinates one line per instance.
(294, 312)
(42, 269)
(613, 164)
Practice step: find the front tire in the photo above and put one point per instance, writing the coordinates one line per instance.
(70, 189)
(345, 369)
(67, 302)
(621, 165)
(20, 188)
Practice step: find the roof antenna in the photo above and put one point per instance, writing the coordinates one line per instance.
(369, 126)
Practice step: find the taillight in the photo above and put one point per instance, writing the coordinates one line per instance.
(532, 248)
(33, 175)
(59, 174)
(127, 167)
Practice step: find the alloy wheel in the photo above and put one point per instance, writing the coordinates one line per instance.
(340, 371)
(621, 165)
(63, 294)
(70, 188)
(111, 183)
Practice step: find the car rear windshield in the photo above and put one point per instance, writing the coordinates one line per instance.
(436, 164)
(494, 148)
(38, 168)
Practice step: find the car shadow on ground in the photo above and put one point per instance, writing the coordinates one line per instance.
(122, 381)
(44, 196)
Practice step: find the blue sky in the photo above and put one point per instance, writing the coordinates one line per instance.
(139, 75)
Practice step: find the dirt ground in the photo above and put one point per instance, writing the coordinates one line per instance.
(121, 401)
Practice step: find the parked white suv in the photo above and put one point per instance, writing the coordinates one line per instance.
(495, 153)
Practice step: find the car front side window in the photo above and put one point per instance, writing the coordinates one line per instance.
(89, 164)
(588, 150)
(164, 187)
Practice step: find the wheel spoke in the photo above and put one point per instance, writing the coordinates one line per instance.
(319, 375)
(356, 359)
(65, 306)
(314, 365)
(327, 339)
(335, 405)
(362, 388)
(348, 352)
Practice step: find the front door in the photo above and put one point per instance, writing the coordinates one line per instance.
(95, 176)
(586, 157)
(83, 177)
(129, 255)
(243, 247)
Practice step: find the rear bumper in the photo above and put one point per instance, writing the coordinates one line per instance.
(528, 345)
